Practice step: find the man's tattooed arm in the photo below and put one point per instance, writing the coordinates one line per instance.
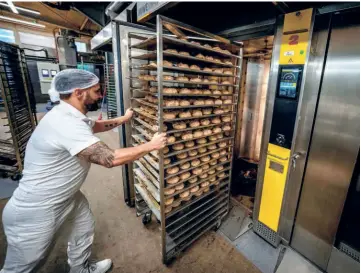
(99, 153)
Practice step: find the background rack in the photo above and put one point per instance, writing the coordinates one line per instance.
(18, 112)
(202, 210)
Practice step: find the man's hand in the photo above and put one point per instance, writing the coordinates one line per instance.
(128, 114)
(158, 141)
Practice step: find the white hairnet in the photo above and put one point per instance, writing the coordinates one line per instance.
(66, 81)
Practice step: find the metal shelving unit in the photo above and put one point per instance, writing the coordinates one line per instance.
(110, 91)
(19, 117)
(187, 184)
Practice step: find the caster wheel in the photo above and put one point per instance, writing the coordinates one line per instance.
(16, 177)
(217, 226)
(4, 175)
(147, 218)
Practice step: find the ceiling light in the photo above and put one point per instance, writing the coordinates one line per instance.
(11, 5)
(21, 21)
(21, 9)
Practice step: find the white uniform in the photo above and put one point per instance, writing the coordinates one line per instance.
(49, 192)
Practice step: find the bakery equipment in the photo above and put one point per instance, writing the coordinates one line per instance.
(17, 115)
(188, 196)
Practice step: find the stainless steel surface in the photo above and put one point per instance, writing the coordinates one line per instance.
(103, 37)
(271, 92)
(302, 129)
(253, 109)
(334, 146)
(341, 263)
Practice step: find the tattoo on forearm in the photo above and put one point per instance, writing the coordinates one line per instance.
(98, 153)
(110, 125)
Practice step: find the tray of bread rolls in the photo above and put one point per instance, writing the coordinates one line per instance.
(197, 58)
(147, 197)
(181, 92)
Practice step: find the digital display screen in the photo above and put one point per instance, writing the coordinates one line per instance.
(288, 82)
(53, 73)
(45, 72)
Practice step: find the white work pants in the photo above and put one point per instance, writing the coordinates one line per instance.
(31, 231)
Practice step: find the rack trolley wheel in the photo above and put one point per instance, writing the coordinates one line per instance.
(147, 218)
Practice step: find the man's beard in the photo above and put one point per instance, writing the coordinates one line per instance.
(88, 102)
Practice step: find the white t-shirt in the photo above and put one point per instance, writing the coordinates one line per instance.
(52, 172)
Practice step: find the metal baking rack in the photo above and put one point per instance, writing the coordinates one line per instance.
(18, 117)
(190, 201)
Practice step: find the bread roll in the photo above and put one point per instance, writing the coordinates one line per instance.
(202, 150)
(185, 175)
(166, 161)
(195, 67)
(186, 199)
(226, 109)
(226, 82)
(182, 65)
(210, 172)
(197, 133)
(179, 125)
(195, 162)
(184, 194)
(177, 203)
(207, 111)
(185, 166)
(227, 101)
(204, 184)
(169, 115)
(205, 158)
(168, 78)
(189, 144)
(212, 163)
(187, 136)
(215, 155)
(207, 46)
(226, 127)
(217, 92)
(223, 159)
(182, 79)
(196, 43)
(177, 134)
(216, 130)
(226, 51)
(205, 167)
(193, 180)
(219, 168)
(169, 50)
(228, 72)
(196, 80)
(165, 150)
(212, 138)
(192, 153)
(170, 103)
(212, 179)
(207, 69)
(178, 147)
(201, 141)
(207, 132)
(213, 80)
(216, 120)
(194, 123)
(217, 60)
(197, 171)
(218, 111)
(209, 58)
(218, 70)
(185, 114)
(198, 102)
(205, 122)
(172, 170)
(185, 53)
(218, 102)
(173, 180)
(205, 80)
(211, 147)
(169, 191)
(169, 90)
(223, 152)
(185, 91)
(170, 139)
(227, 62)
(153, 89)
(199, 193)
(168, 209)
(222, 144)
(169, 201)
(221, 175)
(203, 176)
(219, 136)
(226, 118)
(194, 189)
(196, 113)
(207, 92)
(209, 102)
(181, 156)
(217, 48)
(184, 103)
(200, 56)
(179, 187)
(227, 92)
